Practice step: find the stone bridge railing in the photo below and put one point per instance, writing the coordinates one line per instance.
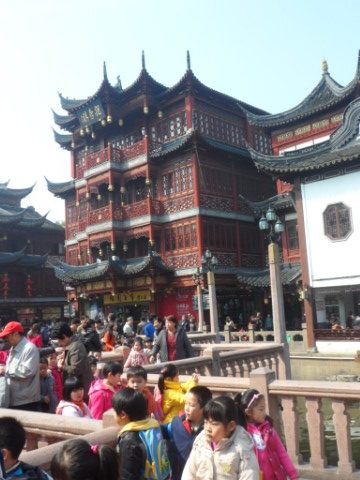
(282, 399)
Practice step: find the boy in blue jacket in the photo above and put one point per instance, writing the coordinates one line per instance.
(183, 430)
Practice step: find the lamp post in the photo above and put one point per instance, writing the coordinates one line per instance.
(273, 227)
(209, 262)
(198, 279)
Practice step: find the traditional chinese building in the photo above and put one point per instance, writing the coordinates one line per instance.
(28, 286)
(316, 157)
(156, 174)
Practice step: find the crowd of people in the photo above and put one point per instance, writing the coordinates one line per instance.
(175, 432)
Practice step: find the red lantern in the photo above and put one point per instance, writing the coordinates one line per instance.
(29, 286)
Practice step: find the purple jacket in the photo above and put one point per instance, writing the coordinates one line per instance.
(274, 461)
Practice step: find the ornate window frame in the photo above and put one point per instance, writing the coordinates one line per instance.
(333, 213)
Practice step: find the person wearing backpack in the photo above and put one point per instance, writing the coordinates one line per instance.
(12, 442)
(141, 447)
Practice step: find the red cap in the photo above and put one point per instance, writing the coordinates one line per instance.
(11, 327)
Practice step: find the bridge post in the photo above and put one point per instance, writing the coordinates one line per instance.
(260, 379)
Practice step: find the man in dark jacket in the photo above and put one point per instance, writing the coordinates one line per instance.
(75, 361)
(91, 338)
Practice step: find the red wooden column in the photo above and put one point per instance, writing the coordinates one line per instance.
(308, 307)
(189, 111)
(196, 183)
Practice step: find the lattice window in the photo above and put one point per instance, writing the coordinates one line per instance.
(187, 236)
(178, 181)
(193, 235)
(337, 221)
(180, 237)
(292, 235)
(167, 240)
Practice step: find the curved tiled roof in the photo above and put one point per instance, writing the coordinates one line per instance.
(282, 201)
(289, 273)
(124, 267)
(10, 218)
(65, 121)
(18, 193)
(60, 189)
(193, 134)
(63, 140)
(327, 93)
(343, 146)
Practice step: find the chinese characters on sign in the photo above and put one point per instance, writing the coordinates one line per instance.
(91, 114)
(130, 297)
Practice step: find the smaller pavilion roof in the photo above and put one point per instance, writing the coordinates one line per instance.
(343, 147)
(289, 273)
(327, 93)
(21, 259)
(282, 201)
(13, 193)
(123, 267)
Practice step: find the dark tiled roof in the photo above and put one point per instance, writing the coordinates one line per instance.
(77, 274)
(343, 147)
(10, 218)
(261, 278)
(327, 93)
(63, 140)
(180, 142)
(60, 189)
(18, 193)
(152, 86)
(29, 218)
(65, 121)
(21, 259)
(283, 201)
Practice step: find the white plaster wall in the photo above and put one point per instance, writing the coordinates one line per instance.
(342, 348)
(332, 263)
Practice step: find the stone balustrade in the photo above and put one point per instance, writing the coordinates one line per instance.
(286, 394)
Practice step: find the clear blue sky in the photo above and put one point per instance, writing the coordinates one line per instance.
(264, 52)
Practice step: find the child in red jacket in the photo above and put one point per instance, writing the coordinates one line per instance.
(102, 390)
(274, 461)
(137, 378)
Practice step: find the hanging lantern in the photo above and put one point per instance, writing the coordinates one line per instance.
(100, 252)
(147, 181)
(160, 114)
(29, 286)
(125, 247)
(87, 129)
(113, 247)
(88, 252)
(98, 196)
(110, 188)
(109, 119)
(103, 122)
(93, 135)
(77, 203)
(82, 133)
(87, 195)
(73, 144)
(121, 122)
(122, 189)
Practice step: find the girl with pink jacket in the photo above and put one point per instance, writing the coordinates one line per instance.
(137, 357)
(274, 461)
(102, 390)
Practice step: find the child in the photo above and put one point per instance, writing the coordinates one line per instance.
(136, 379)
(273, 459)
(12, 442)
(77, 459)
(56, 373)
(48, 399)
(173, 392)
(73, 404)
(102, 391)
(183, 430)
(140, 444)
(148, 346)
(223, 449)
(137, 356)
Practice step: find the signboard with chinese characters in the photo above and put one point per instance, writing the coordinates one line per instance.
(92, 113)
(130, 297)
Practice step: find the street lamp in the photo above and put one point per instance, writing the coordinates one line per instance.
(273, 227)
(198, 279)
(209, 262)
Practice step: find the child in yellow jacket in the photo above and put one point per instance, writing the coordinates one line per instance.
(173, 392)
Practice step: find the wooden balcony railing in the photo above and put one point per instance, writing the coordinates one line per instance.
(110, 154)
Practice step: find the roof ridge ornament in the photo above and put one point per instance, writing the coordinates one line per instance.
(105, 71)
(118, 83)
(188, 61)
(143, 60)
(324, 67)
